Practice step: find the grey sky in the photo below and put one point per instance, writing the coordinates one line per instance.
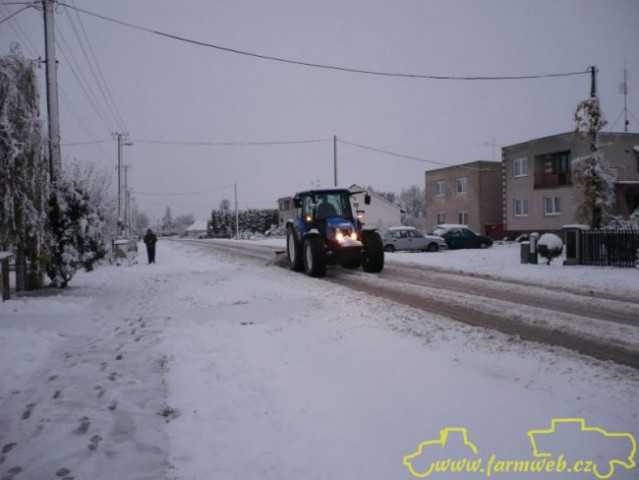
(167, 90)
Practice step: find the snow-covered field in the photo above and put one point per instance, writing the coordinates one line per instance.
(205, 366)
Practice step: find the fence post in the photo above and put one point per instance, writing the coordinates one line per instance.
(573, 243)
(4, 275)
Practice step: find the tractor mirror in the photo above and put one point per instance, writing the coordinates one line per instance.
(297, 202)
(367, 199)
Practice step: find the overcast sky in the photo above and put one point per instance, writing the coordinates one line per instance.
(165, 90)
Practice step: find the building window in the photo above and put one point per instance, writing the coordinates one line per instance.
(440, 188)
(561, 163)
(520, 167)
(552, 205)
(521, 207)
(441, 218)
(462, 185)
(462, 218)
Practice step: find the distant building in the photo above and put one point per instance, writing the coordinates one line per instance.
(285, 210)
(380, 213)
(538, 191)
(467, 194)
(198, 230)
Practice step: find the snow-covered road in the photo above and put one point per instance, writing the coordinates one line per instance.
(263, 373)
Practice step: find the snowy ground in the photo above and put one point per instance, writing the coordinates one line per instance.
(263, 373)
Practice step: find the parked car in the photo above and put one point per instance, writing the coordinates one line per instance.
(460, 236)
(409, 238)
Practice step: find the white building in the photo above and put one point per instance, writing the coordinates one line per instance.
(197, 230)
(380, 213)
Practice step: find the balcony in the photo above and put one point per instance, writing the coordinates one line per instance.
(627, 174)
(553, 180)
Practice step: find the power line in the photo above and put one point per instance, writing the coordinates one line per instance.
(401, 155)
(231, 144)
(81, 78)
(14, 14)
(17, 29)
(100, 82)
(185, 193)
(317, 65)
(90, 142)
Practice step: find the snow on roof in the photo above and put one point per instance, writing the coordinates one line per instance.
(451, 225)
(401, 227)
(636, 148)
(197, 226)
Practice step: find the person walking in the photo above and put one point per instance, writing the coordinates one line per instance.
(150, 240)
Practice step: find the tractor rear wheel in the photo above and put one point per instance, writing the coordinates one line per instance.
(314, 259)
(373, 256)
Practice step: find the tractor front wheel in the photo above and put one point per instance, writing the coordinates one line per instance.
(314, 260)
(373, 255)
(294, 251)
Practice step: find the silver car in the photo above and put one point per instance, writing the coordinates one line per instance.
(409, 238)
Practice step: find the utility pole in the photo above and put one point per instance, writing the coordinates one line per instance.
(120, 137)
(119, 168)
(53, 111)
(127, 203)
(237, 218)
(335, 159)
(593, 94)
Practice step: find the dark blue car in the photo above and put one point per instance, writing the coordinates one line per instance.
(460, 236)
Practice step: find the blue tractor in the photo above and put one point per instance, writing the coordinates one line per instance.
(325, 232)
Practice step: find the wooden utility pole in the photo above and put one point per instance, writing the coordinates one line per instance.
(593, 94)
(55, 158)
(335, 159)
(119, 168)
(237, 214)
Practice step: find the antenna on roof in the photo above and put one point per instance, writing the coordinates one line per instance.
(623, 89)
(493, 144)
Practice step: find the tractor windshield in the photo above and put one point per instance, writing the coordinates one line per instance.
(332, 204)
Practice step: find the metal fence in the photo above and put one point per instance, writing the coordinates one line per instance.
(610, 248)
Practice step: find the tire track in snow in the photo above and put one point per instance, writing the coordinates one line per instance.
(567, 302)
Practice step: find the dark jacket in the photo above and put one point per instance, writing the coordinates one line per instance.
(150, 239)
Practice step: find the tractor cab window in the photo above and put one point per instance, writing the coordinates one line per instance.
(332, 205)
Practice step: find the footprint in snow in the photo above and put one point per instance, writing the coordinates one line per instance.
(8, 447)
(101, 391)
(27, 413)
(63, 472)
(94, 442)
(11, 473)
(85, 423)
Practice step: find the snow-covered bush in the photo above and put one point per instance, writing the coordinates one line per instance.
(76, 232)
(595, 178)
(591, 173)
(23, 170)
(550, 246)
(632, 222)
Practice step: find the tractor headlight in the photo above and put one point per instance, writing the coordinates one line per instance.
(343, 237)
